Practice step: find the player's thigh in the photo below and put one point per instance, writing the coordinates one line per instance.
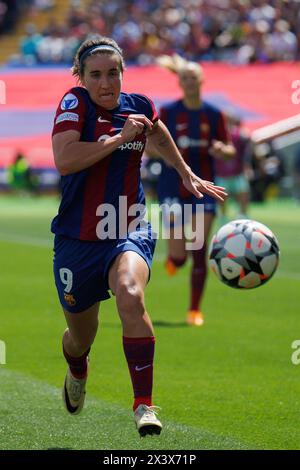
(83, 325)
(128, 269)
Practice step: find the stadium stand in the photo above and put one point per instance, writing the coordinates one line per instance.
(216, 32)
(238, 31)
(28, 16)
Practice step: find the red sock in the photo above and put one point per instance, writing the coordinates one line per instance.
(78, 365)
(139, 353)
(198, 277)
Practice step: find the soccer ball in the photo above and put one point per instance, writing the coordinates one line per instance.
(244, 254)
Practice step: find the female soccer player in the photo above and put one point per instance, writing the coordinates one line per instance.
(98, 139)
(200, 133)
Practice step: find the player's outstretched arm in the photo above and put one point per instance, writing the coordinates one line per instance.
(162, 143)
(71, 155)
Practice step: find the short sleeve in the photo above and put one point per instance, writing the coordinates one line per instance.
(154, 117)
(145, 106)
(70, 114)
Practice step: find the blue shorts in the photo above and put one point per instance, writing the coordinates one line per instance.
(206, 203)
(81, 267)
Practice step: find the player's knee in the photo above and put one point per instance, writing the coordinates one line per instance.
(130, 299)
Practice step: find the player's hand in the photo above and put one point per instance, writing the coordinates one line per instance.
(217, 149)
(135, 124)
(198, 186)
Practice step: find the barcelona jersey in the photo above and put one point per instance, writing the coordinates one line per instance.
(193, 132)
(116, 175)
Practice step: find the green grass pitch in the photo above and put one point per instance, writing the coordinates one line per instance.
(228, 385)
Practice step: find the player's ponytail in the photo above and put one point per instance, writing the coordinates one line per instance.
(174, 62)
(177, 64)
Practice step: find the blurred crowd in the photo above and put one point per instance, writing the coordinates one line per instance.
(12, 10)
(236, 31)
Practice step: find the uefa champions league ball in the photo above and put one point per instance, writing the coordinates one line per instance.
(244, 254)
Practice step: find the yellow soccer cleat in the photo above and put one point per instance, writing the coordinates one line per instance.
(195, 318)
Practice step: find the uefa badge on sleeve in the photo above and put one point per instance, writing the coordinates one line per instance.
(69, 101)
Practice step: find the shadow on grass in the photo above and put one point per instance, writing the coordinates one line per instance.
(169, 324)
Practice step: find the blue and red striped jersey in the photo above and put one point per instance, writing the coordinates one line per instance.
(193, 132)
(116, 175)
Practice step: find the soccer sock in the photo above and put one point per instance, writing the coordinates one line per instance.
(178, 262)
(139, 353)
(78, 365)
(198, 277)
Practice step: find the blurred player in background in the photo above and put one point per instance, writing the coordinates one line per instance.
(231, 172)
(98, 140)
(200, 133)
(20, 176)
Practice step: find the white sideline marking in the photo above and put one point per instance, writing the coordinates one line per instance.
(2, 352)
(49, 423)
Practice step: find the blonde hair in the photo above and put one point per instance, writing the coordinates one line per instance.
(177, 64)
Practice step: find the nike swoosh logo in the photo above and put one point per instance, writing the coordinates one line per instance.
(138, 369)
(180, 127)
(71, 409)
(102, 120)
